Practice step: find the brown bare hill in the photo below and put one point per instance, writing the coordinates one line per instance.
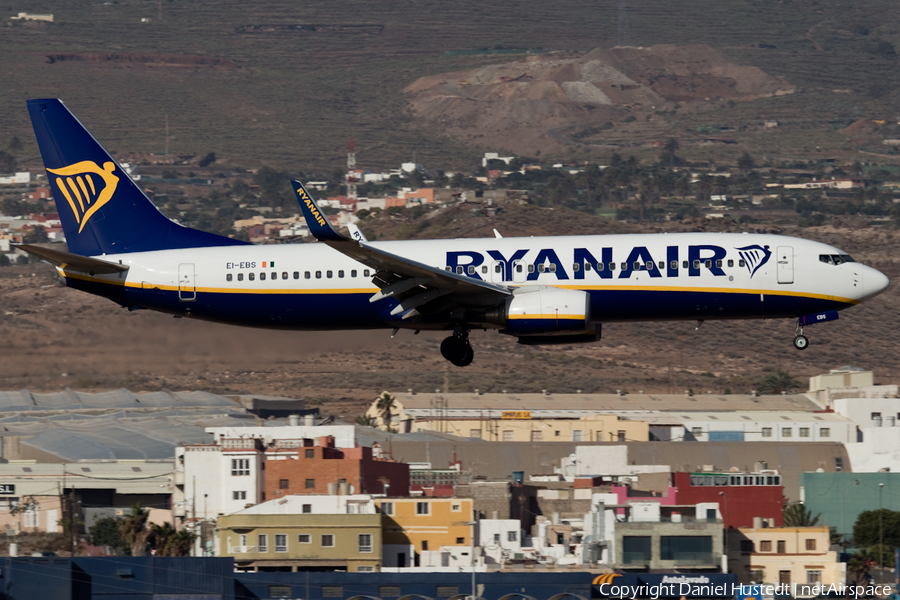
(519, 106)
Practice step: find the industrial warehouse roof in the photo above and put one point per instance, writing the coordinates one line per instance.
(69, 400)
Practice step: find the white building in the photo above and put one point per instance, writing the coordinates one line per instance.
(23, 177)
(315, 504)
(500, 539)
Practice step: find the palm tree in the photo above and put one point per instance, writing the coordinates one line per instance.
(859, 565)
(366, 420)
(777, 382)
(134, 530)
(797, 515)
(168, 542)
(385, 407)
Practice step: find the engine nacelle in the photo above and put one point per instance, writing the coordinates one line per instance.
(545, 311)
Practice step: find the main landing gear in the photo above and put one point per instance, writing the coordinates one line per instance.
(457, 349)
(801, 342)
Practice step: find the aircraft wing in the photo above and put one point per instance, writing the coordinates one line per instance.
(67, 260)
(414, 283)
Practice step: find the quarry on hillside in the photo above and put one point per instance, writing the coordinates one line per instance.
(538, 101)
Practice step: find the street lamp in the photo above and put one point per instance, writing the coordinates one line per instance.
(880, 535)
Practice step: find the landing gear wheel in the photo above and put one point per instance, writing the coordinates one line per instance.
(457, 349)
(801, 342)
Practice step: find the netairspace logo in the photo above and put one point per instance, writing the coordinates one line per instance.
(700, 587)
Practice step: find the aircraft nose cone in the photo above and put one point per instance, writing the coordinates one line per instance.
(874, 282)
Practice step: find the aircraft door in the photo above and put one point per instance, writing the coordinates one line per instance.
(187, 292)
(498, 271)
(519, 271)
(785, 261)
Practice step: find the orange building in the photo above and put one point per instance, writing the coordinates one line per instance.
(308, 468)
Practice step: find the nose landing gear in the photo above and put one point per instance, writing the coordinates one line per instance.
(801, 342)
(457, 349)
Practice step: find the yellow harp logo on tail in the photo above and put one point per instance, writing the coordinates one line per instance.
(86, 187)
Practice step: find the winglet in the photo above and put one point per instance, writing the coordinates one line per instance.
(315, 218)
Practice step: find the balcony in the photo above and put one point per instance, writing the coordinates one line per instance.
(241, 549)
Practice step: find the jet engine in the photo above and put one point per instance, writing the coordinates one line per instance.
(544, 311)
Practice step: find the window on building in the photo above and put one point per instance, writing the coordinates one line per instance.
(756, 575)
(365, 542)
(327, 540)
(365, 569)
(697, 432)
(456, 507)
(804, 432)
(825, 432)
(781, 547)
(422, 508)
(577, 435)
(814, 576)
(767, 432)
(263, 542)
(307, 509)
(389, 591)
(475, 433)
(283, 484)
(238, 495)
(512, 536)
(387, 508)
(786, 432)
(810, 543)
(636, 550)
(424, 545)
(304, 538)
(332, 591)
(508, 435)
(496, 539)
(309, 453)
(447, 591)
(875, 415)
(537, 435)
(460, 541)
(620, 435)
(240, 466)
(765, 546)
(281, 542)
(310, 484)
(747, 546)
(599, 436)
(445, 559)
(694, 548)
(280, 591)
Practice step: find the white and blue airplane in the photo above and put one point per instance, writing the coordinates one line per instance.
(542, 290)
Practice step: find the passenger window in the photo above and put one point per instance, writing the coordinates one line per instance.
(540, 268)
(673, 265)
(553, 268)
(240, 276)
(328, 274)
(340, 274)
(600, 266)
(251, 276)
(575, 268)
(284, 275)
(730, 262)
(262, 276)
(531, 268)
(459, 270)
(624, 266)
(741, 263)
(696, 264)
(684, 264)
(637, 266)
(318, 274)
(587, 266)
(306, 275)
(649, 266)
(449, 268)
(353, 273)
(719, 263)
(484, 269)
(228, 277)
(518, 267)
(612, 266)
(296, 274)
(662, 265)
(365, 272)
(471, 269)
(498, 268)
(707, 263)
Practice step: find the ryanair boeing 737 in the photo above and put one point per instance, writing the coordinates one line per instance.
(542, 290)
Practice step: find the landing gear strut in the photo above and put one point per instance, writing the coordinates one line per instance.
(801, 342)
(457, 349)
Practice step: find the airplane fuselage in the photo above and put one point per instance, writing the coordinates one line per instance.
(633, 277)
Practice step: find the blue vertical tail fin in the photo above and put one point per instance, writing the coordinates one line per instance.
(102, 210)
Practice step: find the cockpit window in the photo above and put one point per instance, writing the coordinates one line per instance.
(835, 259)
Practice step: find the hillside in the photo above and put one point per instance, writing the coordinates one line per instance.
(286, 83)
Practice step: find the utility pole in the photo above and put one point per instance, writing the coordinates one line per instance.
(880, 534)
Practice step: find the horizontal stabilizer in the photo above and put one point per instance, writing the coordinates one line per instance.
(67, 260)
